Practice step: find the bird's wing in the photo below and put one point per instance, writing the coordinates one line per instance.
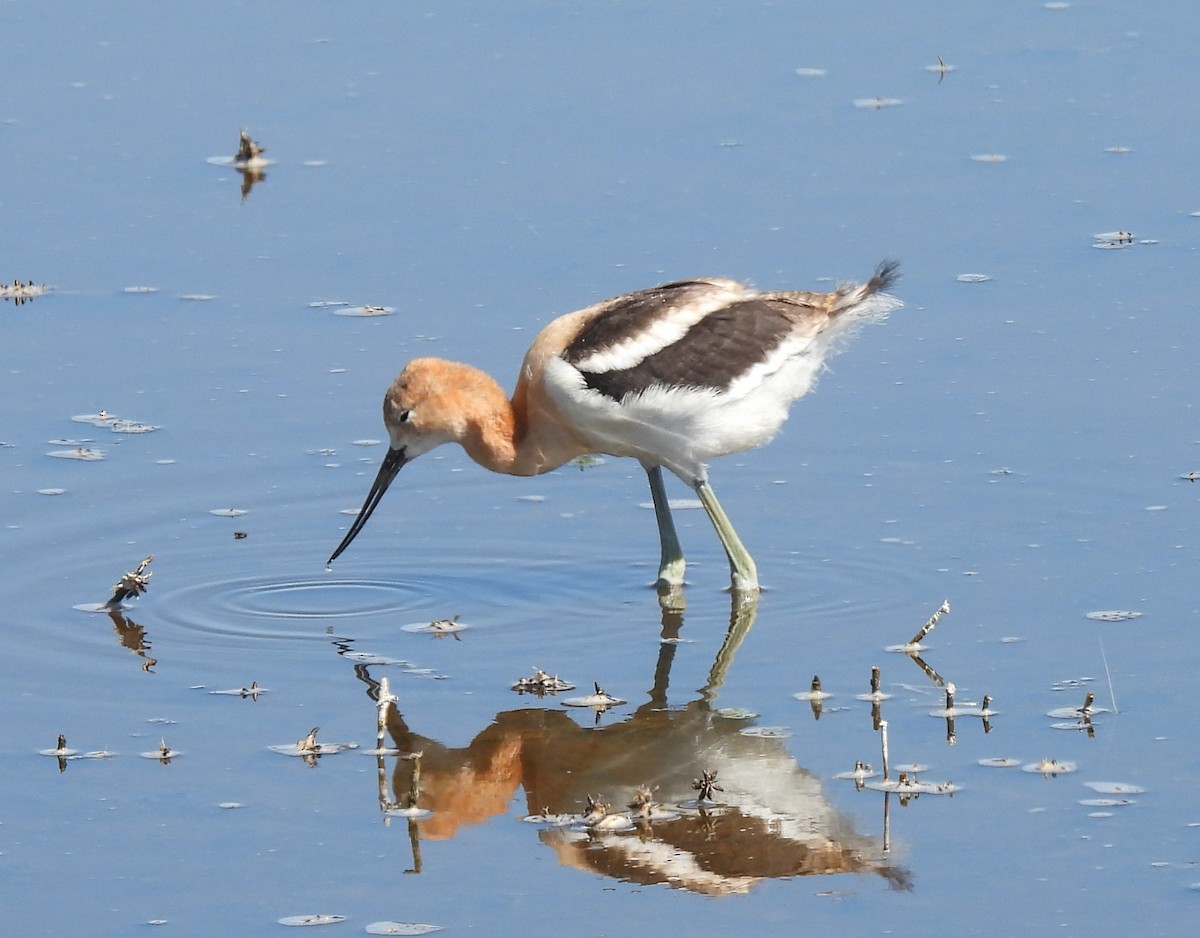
(689, 335)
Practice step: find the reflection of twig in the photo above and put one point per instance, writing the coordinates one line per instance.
(929, 672)
(414, 783)
(386, 700)
(133, 637)
(132, 584)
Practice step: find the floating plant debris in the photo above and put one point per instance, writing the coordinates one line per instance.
(1114, 788)
(366, 657)
(197, 297)
(1113, 615)
(765, 732)
(227, 512)
(736, 713)
(908, 785)
(140, 290)
(601, 700)
(303, 920)
(83, 454)
(861, 772)
(20, 292)
(412, 812)
(101, 419)
(1049, 767)
(114, 423)
(814, 691)
(163, 753)
(811, 72)
(911, 768)
(51, 491)
(1071, 683)
(601, 816)
(132, 426)
(1087, 710)
(436, 627)
(989, 157)
(1114, 240)
(999, 762)
(645, 808)
(364, 311)
(308, 746)
(972, 278)
(551, 820)
(541, 683)
(876, 104)
(401, 928)
(252, 691)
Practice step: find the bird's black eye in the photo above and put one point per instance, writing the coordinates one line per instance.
(404, 415)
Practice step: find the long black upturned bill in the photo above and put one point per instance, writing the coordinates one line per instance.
(393, 462)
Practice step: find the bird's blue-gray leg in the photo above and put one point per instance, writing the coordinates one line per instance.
(671, 562)
(741, 565)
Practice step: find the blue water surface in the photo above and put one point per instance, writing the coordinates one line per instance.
(1018, 445)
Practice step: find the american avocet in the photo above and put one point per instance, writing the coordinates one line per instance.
(671, 376)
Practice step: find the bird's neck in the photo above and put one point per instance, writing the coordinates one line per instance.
(505, 435)
(487, 424)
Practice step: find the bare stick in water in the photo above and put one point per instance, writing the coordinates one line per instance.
(1108, 674)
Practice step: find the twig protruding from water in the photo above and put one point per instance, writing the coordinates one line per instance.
(132, 584)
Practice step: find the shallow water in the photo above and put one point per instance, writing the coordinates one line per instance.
(1016, 445)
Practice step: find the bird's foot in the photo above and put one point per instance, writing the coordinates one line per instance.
(671, 597)
(744, 583)
(670, 572)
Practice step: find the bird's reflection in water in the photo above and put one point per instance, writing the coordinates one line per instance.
(772, 818)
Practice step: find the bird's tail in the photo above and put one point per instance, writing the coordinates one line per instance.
(854, 296)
